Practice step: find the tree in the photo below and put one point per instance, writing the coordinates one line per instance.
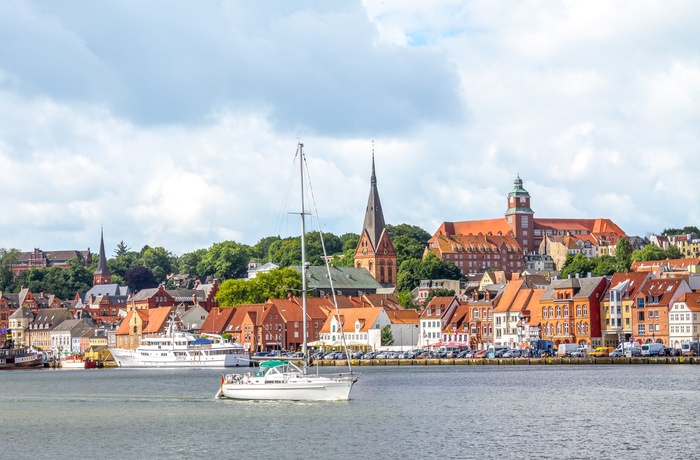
(406, 299)
(225, 260)
(8, 259)
(123, 261)
(159, 261)
(578, 264)
(275, 284)
(188, 262)
(261, 249)
(79, 279)
(346, 259)
(687, 230)
(623, 255)
(409, 241)
(434, 268)
(647, 253)
(387, 336)
(139, 278)
(672, 252)
(234, 292)
(121, 250)
(605, 266)
(409, 275)
(349, 241)
(314, 248)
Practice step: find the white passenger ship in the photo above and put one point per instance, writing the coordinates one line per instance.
(183, 349)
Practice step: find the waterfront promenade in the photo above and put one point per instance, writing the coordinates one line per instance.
(512, 361)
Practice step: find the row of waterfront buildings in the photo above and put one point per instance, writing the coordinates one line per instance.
(515, 301)
(656, 302)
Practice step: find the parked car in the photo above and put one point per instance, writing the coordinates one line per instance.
(498, 351)
(602, 351)
(582, 352)
(479, 354)
(668, 352)
(411, 354)
(634, 351)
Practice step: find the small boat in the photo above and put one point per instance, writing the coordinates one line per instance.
(77, 362)
(183, 349)
(278, 379)
(20, 358)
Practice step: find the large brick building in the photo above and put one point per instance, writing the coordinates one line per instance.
(478, 245)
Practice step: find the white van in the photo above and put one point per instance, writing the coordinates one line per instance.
(652, 349)
(565, 349)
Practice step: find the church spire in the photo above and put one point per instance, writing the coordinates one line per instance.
(374, 217)
(102, 274)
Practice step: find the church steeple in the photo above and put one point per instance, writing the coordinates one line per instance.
(102, 274)
(374, 223)
(374, 250)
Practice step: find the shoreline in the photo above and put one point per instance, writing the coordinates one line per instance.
(513, 361)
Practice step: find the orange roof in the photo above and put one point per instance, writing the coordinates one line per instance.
(589, 225)
(348, 317)
(217, 319)
(402, 316)
(156, 319)
(635, 281)
(437, 302)
(474, 227)
(663, 288)
(123, 328)
(460, 317)
(669, 264)
(692, 300)
(508, 296)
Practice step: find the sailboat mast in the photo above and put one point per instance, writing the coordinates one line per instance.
(303, 256)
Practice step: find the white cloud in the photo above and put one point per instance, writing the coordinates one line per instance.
(181, 132)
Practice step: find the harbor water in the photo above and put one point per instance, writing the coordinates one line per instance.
(422, 412)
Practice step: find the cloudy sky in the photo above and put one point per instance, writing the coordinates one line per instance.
(174, 123)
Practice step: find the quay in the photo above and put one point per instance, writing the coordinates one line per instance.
(512, 361)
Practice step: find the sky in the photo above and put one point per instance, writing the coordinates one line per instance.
(175, 123)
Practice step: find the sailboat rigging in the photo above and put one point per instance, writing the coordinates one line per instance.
(278, 379)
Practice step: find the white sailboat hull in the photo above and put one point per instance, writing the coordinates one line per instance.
(301, 389)
(132, 358)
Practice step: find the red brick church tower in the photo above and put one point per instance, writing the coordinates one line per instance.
(102, 274)
(520, 217)
(374, 250)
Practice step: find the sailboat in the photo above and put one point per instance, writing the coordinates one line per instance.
(279, 379)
